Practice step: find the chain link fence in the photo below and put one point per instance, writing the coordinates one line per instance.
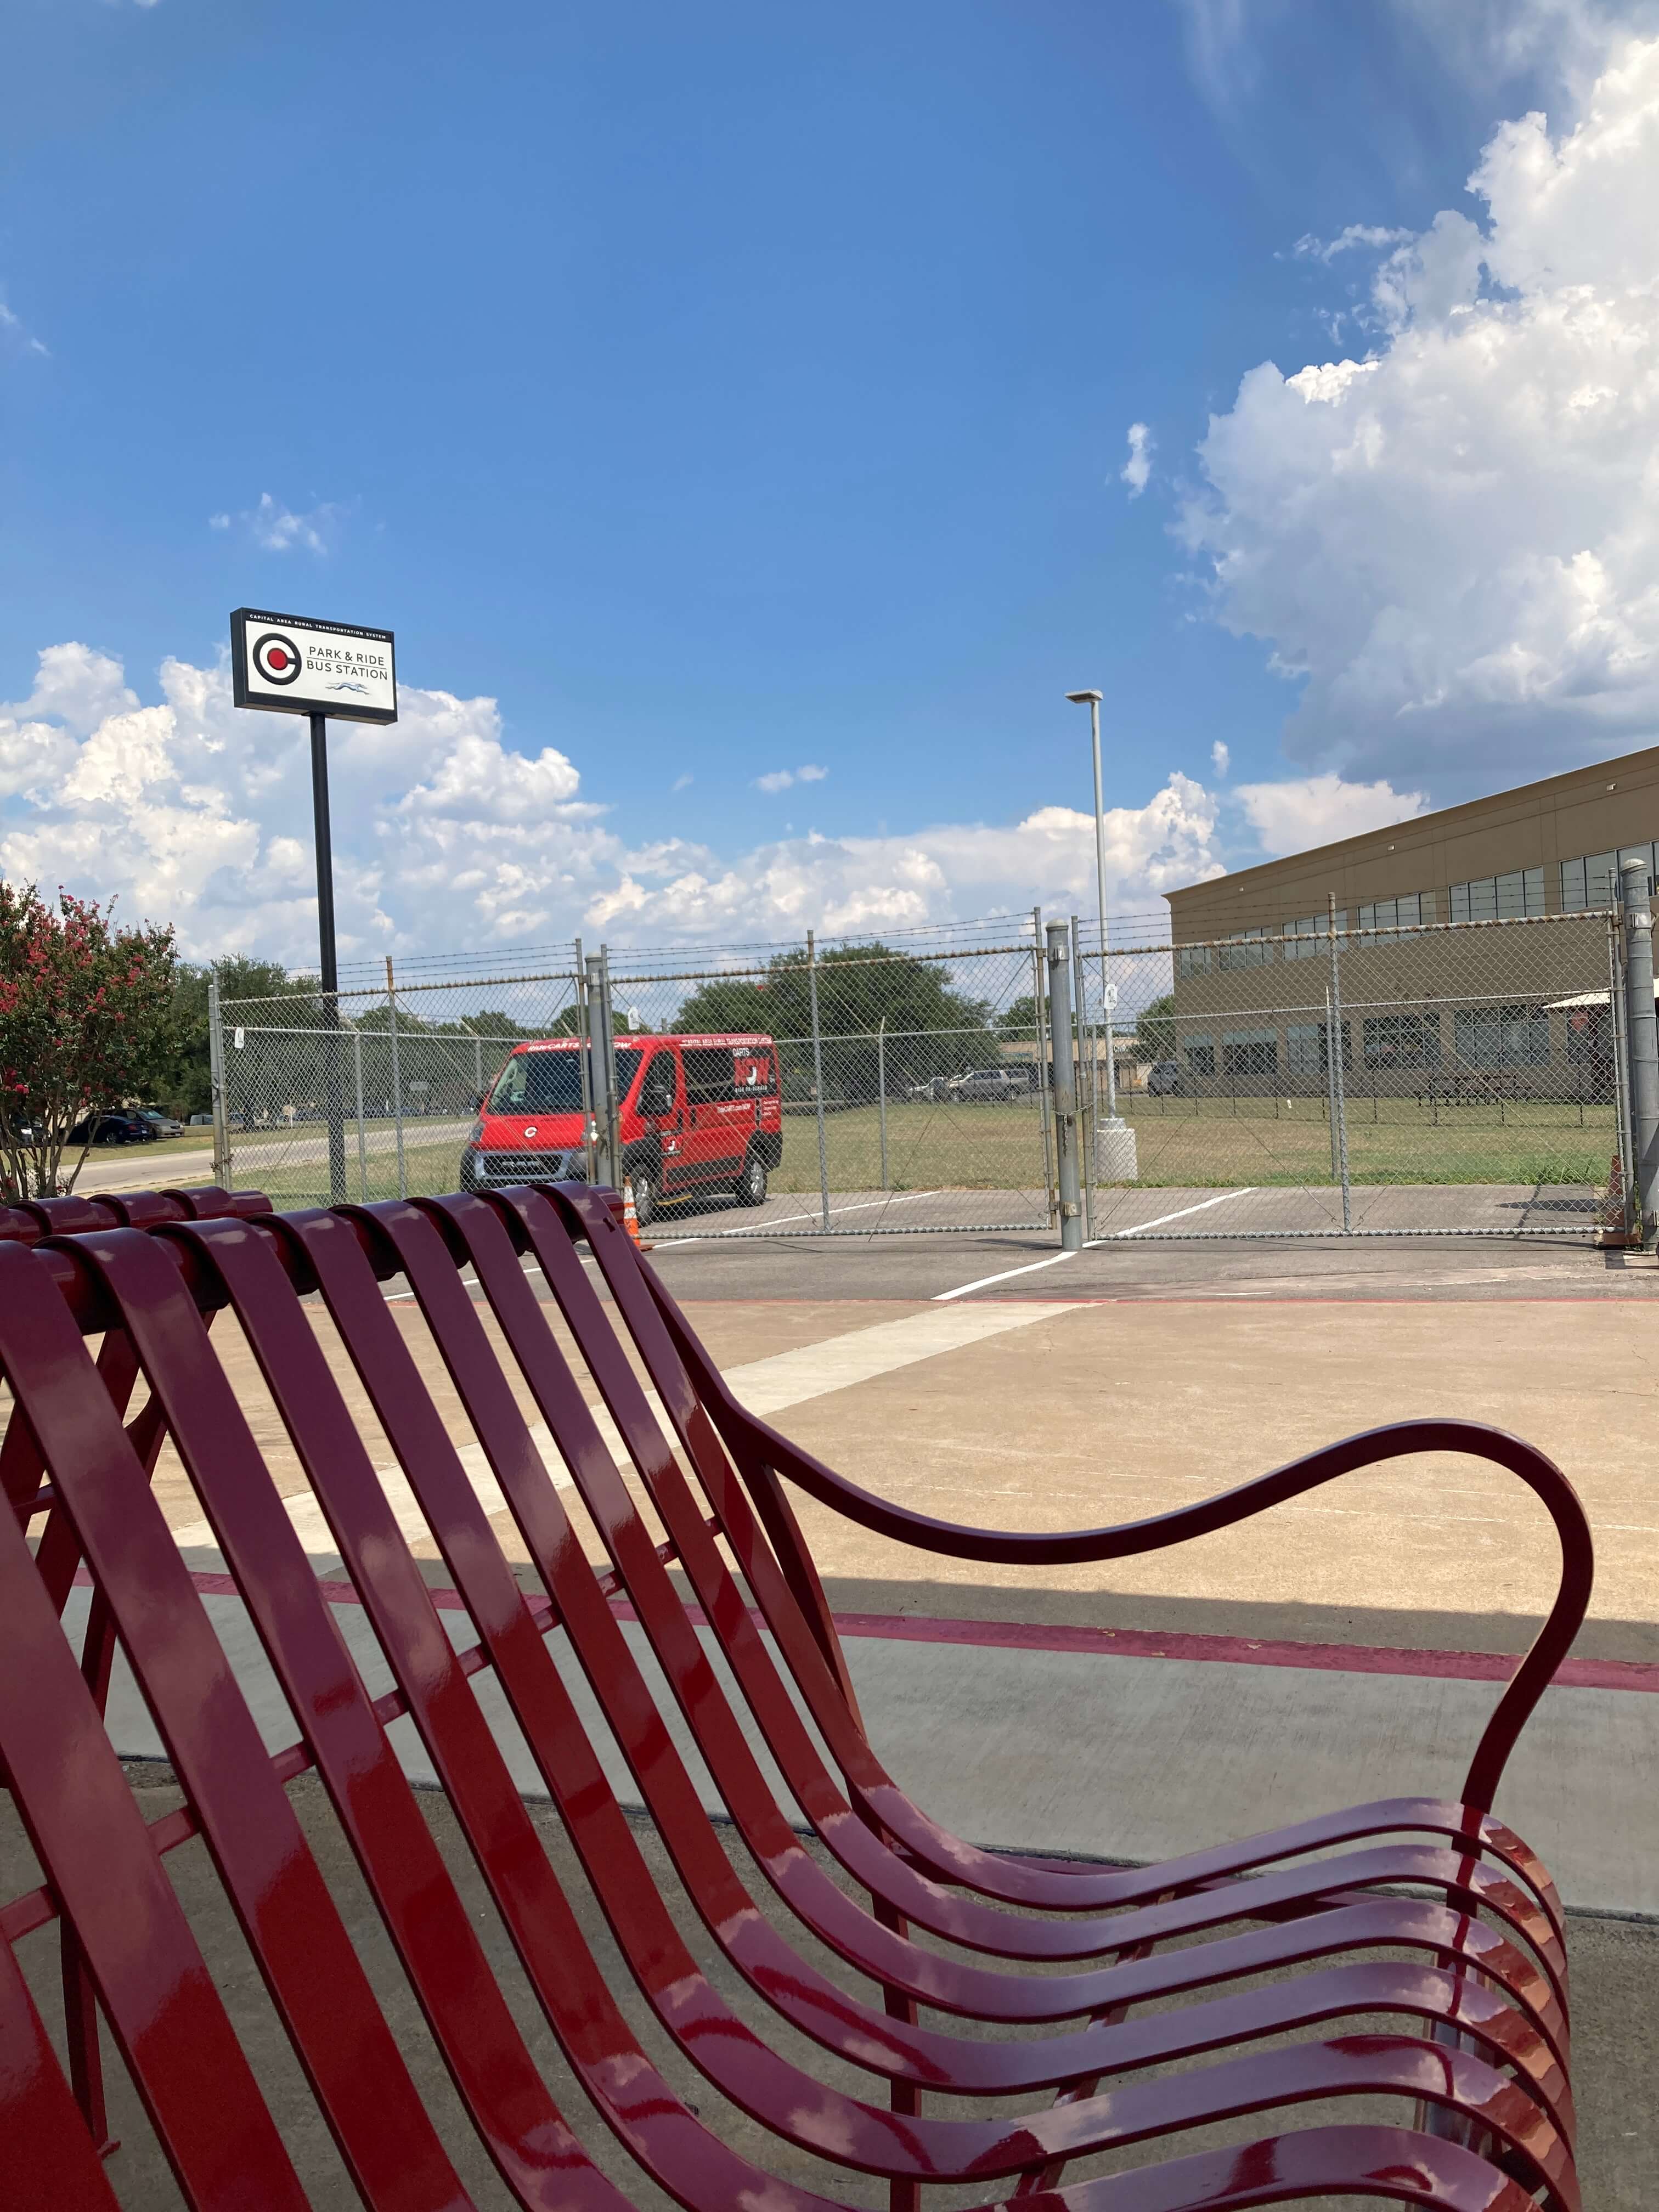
(847, 1087)
(1463, 1078)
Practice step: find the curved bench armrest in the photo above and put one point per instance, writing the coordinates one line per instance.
(1127, 1539)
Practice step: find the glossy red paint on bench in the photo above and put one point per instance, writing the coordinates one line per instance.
(1488, 2070)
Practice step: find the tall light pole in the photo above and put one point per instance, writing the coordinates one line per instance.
(1092, 699)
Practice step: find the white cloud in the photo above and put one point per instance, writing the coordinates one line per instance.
(1299, 811)
(1220, 756)
(1454, 541)
(1136, 471)
(1356, 235)
(952, 871)
(682, 782)
(275, 528)
(780, 779)
(16, 336)
(447, 838)
(199, 815)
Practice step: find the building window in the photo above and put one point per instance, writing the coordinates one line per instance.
(1593, 881)
(1499, 898)
(1307, 937)
(1307, 1049)
(1398, 917)
(1589, 1038)
(1402, 1041)
(1245, 948)
(1194, 959)
(1503, 1036)
(1250, 1052)
(1200, 1054)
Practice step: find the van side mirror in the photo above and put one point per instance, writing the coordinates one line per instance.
(478, 1102)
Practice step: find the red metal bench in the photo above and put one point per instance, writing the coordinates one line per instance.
(1402, 1963)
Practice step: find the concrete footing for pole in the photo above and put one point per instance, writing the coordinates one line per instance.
(1115, 1159)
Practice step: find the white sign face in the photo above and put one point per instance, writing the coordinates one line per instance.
(298, 666)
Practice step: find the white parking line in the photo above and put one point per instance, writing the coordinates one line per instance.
(1054, 1260)
(1180, 1215)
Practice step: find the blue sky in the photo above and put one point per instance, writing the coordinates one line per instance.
(720, 392)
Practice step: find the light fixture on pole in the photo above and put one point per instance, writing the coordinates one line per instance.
(1115, 1141)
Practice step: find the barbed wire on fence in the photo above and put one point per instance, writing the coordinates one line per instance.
(1449, 1078)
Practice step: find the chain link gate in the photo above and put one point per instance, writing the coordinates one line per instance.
(912, 1079)
(1452, 1079)
(1459, 1078)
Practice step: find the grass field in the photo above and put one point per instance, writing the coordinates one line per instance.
(1184, 1143)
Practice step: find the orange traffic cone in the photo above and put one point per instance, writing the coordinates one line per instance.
(630, 1216)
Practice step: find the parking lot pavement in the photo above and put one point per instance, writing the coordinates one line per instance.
(1016, 1264)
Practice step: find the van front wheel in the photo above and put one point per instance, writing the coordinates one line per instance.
(646, 1202)
(750, 1186)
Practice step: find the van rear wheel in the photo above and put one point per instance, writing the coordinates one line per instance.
(750, 1185)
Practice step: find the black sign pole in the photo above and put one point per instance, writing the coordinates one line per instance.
(334, 1088)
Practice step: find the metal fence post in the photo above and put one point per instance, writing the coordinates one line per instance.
(397, 1076)
(363, 1134)
(601, 1057)
(1641, 1049)
(1332, 1053)
(216, 1076)
(1060, 1025)
(817, 1076)
(1339, 1088)
(1088, 1086)
(1040, 1007)
(881, 1092)
(584, 1060)
(1626, 1155)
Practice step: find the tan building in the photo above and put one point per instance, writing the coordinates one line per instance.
(1548, 847)
(1422, 1005)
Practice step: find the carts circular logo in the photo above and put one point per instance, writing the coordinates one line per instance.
(276, 659)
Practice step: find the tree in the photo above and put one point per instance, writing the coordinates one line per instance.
(86, 1018)
(1155, 1029)
(930, 1029)
(183, 1082)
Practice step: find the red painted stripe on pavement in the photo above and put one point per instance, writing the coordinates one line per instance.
(1122, 1642)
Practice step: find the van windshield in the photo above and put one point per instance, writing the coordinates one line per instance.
(551, 1082)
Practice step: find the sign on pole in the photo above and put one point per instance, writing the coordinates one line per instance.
(296, 666)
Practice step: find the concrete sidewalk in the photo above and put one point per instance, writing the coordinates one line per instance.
(1134, 1758)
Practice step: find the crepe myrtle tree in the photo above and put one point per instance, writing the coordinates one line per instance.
(86, 1015)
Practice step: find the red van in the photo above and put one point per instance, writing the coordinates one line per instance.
(695, 1113)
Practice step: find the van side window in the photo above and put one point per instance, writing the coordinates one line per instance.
(708, 1071)
(659, 1087)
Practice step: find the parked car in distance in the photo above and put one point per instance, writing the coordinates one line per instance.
(990, 1086)
(164, 1125)
(112, 1129)
(1164, 1078)
(693, 1113)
